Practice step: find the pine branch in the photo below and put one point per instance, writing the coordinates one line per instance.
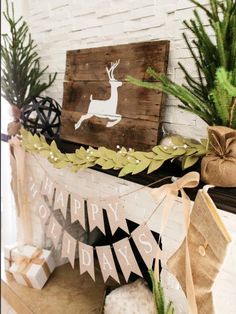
(203, 95)
(20, 63)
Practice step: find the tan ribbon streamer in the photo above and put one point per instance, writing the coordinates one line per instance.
(18, 185)
(24, 263)
(170, 191)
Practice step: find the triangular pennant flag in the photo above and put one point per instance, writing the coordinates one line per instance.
(54, 231)
(126, 258)
(116, 214)
(106, 261)
(146, 244)
(43, 211)
(95, 215)
(77, 209)
(68, 247)
(48, 189)
(86, 259)
(61, 200)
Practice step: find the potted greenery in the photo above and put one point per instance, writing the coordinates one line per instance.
(21, 72)
(212, 95)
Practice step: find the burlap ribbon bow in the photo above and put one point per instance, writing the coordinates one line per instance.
(219, 166)
(25, 262)
(170, 192)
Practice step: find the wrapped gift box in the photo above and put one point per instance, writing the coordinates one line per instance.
(32, 267)
(10, 252)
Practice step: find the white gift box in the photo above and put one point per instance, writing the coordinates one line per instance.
(10, 252)
(36, 271)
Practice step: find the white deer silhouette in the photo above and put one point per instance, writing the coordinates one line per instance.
(105, 108)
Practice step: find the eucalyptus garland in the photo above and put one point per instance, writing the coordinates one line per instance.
(126, 161)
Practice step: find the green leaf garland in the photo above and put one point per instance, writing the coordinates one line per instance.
(126, 161)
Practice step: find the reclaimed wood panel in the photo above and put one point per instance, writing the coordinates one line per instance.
(139, 137)
(146, 104)
(84, 64)
(97, 98)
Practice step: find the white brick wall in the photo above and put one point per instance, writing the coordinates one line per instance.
(61, 25)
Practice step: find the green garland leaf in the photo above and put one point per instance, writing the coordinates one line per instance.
(127, 162)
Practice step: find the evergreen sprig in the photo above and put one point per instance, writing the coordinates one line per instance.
(225, 90)
(21, 72)
(159, 297)
(209, 53)
(126, 161)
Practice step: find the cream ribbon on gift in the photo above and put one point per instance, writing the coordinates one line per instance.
(25, 262)
(170, 192)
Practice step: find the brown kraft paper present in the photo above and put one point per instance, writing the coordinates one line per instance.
(218, 167)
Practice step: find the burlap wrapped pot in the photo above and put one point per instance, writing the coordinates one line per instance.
(13, 127)
(218, 167)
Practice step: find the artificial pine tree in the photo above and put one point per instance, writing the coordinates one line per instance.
(21, 71)
(197, 95)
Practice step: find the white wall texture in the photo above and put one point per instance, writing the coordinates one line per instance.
(61, 25)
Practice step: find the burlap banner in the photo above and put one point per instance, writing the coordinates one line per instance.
(68, 247)
(107, 264)
(146, 244)
(86, 259)
(126, 258)
(77, 209)
(61, 200)
(95, 215)
(57, 197)
(116, 214)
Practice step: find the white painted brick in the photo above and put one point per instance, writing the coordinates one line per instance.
(84, 22)
(140, 4)
(141, 12)
(90, 32)
(112, 29)
(114, 18)
(58, 4)
(61, 25)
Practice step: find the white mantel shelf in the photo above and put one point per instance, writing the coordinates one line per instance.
(138, 207)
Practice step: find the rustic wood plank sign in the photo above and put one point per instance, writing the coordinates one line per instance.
(100, 108)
